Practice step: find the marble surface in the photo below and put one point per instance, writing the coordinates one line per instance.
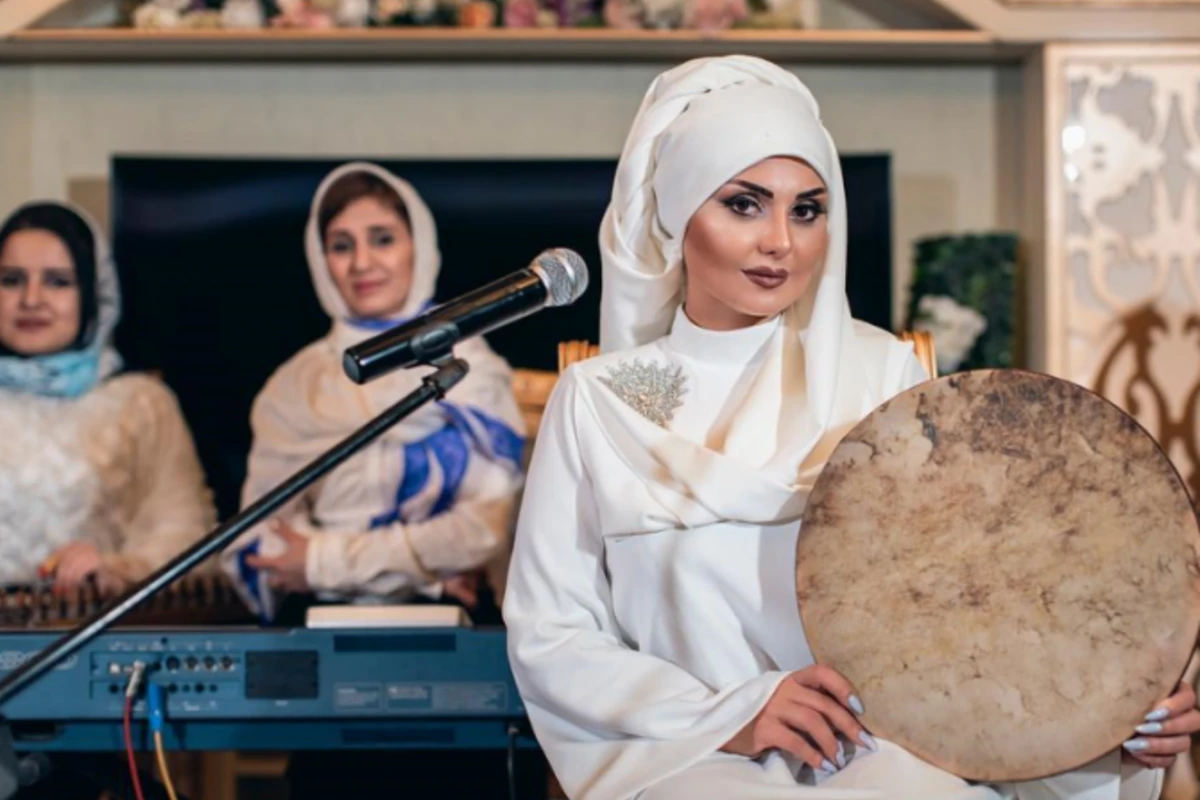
(1007, 568)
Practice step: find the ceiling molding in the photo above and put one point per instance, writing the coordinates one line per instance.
(16, 15)
(1036, 21)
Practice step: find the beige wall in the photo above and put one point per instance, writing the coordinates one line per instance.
(16, 120)
(942, 125)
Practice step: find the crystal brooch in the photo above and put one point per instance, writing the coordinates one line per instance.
(650, 389)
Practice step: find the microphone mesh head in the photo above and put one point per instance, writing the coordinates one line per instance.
(564, 273)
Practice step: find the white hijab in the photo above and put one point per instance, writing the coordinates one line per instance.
(427, 259)
(700, 125)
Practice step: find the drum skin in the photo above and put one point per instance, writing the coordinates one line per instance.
(1007, 568)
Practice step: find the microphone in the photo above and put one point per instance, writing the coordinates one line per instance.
(557, 277)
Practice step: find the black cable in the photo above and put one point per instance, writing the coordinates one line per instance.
(512, 761)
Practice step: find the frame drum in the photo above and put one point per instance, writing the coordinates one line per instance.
(1007, 568)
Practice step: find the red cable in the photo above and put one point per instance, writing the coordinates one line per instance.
(133, 770)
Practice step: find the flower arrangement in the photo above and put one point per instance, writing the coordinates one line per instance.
(626, 14)
(964, 293)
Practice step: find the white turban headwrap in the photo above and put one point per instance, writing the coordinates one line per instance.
(699, 126)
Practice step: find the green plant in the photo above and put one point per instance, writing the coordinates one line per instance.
(962, 283)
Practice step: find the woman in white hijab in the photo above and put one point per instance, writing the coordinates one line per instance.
(99, 478)
(653, 628)
(431, 499)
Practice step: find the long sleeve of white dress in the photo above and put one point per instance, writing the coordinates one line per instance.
(116, 467)
(404, 555)
(390, 558)
(170, 506)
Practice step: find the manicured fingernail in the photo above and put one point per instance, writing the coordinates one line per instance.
(868, 741)
(1149, 728)
(1136, 745)
(855, 704)
(841, 755)
(827, 767)
(1157, 715)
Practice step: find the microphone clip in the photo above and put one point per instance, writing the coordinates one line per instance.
(433, 344)
(450, 371)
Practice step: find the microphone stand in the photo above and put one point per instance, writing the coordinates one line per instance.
(450, 371)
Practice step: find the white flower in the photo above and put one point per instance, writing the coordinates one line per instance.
(352, 13)
(203, 18)
(663, 14)
(954, 328)
(424, 8)
(242, 14)
(153, 15)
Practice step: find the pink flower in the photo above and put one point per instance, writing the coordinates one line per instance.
(711, 15)
(622, 14)
(319, 19)
(520, 13)
(300, 14)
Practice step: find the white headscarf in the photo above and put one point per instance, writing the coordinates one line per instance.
(700, 125)
(427, 258)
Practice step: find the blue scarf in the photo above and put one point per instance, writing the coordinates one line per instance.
(386, 324)
(72, 373)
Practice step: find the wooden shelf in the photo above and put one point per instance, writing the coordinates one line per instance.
(529, 45)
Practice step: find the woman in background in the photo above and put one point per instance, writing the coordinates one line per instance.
(99, 478)
(416, 513)
(433, 499)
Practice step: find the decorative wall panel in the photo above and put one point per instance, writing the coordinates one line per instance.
(1123, 243)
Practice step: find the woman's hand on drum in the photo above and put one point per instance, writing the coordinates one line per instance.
(1167, 731)
(804, 718)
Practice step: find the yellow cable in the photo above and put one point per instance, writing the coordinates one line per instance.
(162, 765)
